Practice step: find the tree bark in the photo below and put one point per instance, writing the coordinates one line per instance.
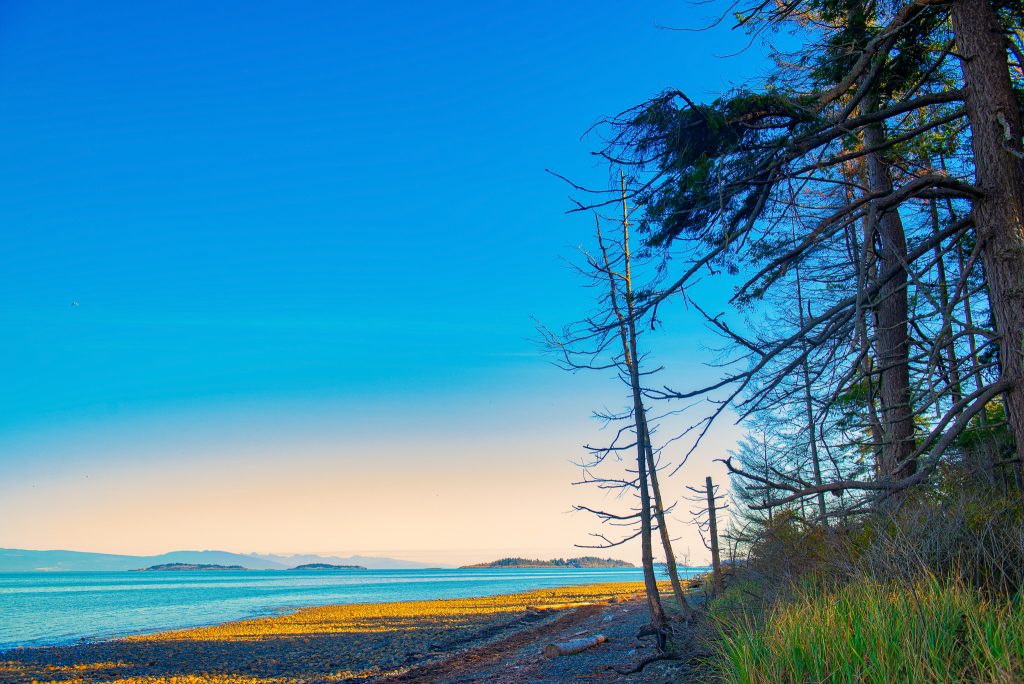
(627, 336)
(716, 560)
(666, 539)
(863, 258)
(646, 550)
(627, 332)
(995, 119)
(952, 364)
(891, 326)
(812, 438)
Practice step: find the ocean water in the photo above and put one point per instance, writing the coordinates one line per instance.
(44, 608)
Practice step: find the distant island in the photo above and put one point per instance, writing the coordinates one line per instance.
(327, 566)
(583, 562)
(193, 566)
(28, 560)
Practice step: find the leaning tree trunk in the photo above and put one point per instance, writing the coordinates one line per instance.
(998, 214)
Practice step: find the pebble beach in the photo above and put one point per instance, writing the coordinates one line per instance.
(337, 643)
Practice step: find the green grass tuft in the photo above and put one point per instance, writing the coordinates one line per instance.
(867, 632)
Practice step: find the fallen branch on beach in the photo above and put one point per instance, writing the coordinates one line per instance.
(574, 646)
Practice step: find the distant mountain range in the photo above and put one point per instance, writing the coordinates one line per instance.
(369, 562)
(187, 566)
(24, 560)
(583, 562)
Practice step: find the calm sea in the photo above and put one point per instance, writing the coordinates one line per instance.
(60, 607)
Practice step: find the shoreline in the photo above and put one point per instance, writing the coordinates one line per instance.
(65, 615)
(340, 642)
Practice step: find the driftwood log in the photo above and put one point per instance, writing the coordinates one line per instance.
(573, 646)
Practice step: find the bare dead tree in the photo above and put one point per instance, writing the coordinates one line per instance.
(609, 341)
(705, 517)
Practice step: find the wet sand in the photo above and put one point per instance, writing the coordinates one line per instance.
(439, 640)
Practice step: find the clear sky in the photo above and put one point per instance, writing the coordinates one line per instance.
(268, 269)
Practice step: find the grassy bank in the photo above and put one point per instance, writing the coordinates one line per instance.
(864, 631)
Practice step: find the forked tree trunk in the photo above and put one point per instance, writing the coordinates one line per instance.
(646, 550)
(998, 214)
(666, 539)
(647, 472)
(627, 335)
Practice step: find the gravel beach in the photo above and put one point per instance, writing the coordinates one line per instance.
(496, 638)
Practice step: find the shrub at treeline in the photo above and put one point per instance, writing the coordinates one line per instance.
(864, 201)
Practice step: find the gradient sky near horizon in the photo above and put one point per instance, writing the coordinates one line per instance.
(268, 269)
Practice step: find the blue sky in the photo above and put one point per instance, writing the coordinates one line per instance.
(295, 221)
